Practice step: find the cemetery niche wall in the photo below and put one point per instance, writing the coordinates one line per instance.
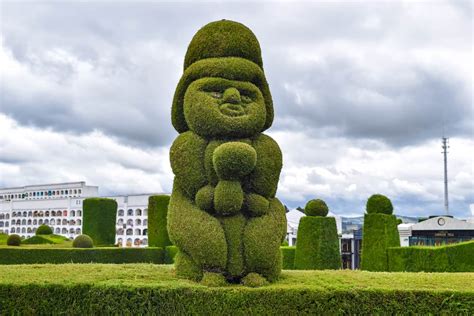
(223, 215)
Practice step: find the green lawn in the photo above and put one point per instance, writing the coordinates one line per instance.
(3, 239)
(138, 275)
(148, 288)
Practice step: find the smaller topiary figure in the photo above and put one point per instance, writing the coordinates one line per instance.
(379, 233)
(316, 207)
(83, 241)
(317, 242)
(44, 230)
(14, 240)
(379, 203)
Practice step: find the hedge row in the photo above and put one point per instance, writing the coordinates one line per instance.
(87, 299)
(77, 255)
(451, 258)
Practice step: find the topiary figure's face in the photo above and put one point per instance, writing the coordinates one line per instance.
(217, 107)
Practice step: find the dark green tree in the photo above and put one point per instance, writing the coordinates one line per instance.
(99, 217)
(157, 221)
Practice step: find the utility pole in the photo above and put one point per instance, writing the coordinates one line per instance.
(445, 146)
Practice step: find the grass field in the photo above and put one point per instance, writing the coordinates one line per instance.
(147, 288)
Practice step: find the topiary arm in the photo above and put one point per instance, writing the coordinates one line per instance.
(265, 176)
(187, 162)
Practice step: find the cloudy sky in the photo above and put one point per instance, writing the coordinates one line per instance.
(362, 93)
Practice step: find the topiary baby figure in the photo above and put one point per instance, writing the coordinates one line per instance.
(223, 215)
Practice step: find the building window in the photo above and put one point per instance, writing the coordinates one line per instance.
(130, 212)
(120, 213)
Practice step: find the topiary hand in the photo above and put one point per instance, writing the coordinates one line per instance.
(234, 160)
(256, 204)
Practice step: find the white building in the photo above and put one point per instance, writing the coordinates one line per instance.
(435, 231)
(59, 205)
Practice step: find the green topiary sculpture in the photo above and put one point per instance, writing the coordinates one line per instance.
(83, 241)
(157, 214)
(379, 233)
(317, 242)
(99, 217)
(223, 215)
(316, 207)
(44, 230)
(14, 240)
(379, 203)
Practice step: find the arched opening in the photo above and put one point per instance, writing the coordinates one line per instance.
(23, 222)
(129, 232)
(130, 222)
(57, 230)
(138, 221)
(120, 221)
(130, 212)
(35, 222)
(120, 231)
(145, 212)
(46, 213)
(79, 222)
(40, 221)
(137, 242)
(64, 231)
(30, 213)
(53, 222)
(145, 242)
(138, 232)
(138, 212)
(23, 230)
(78, 231)
(120, 212)
(145, 222)
(64, 221)
(73, 213)
(46, 221)
(29, 222)
(129, 242)
(53, 213)
(64, 213)
(145, 232)
(12, 230)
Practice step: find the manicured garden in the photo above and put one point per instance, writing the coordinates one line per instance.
(146, 288)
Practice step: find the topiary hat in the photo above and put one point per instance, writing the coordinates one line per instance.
(224, 49)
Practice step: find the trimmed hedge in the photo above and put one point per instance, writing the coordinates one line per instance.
(316, 207)
(317, 244)
(379, 203)
(83, 241)
(157, 221)
(99, 217)
(14, 240)
(80, 255)
(378, 234)
(223, 214)
(150, 289)
(450, 258)
(44, 230)
(170, 254)
(288, 257)
(45, 239)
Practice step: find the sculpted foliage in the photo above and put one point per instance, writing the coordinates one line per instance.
(223, 215)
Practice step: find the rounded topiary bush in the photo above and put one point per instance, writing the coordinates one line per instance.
(83, 241)
(14, 240)
(44, 230)
(379, 203)
(316, 207)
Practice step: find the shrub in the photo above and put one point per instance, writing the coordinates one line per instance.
(316, 207)
(79, 255)
(14, 240)
(317, 244)
(44, 230)
(83, 241)
(288, 254)
(99, 217)
(222, 163)
(45, 239)
(157, 221)
(170, 254)
(450, 258)
(378, 234)
(379, 203)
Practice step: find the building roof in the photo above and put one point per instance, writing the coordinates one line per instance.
(443, 223)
